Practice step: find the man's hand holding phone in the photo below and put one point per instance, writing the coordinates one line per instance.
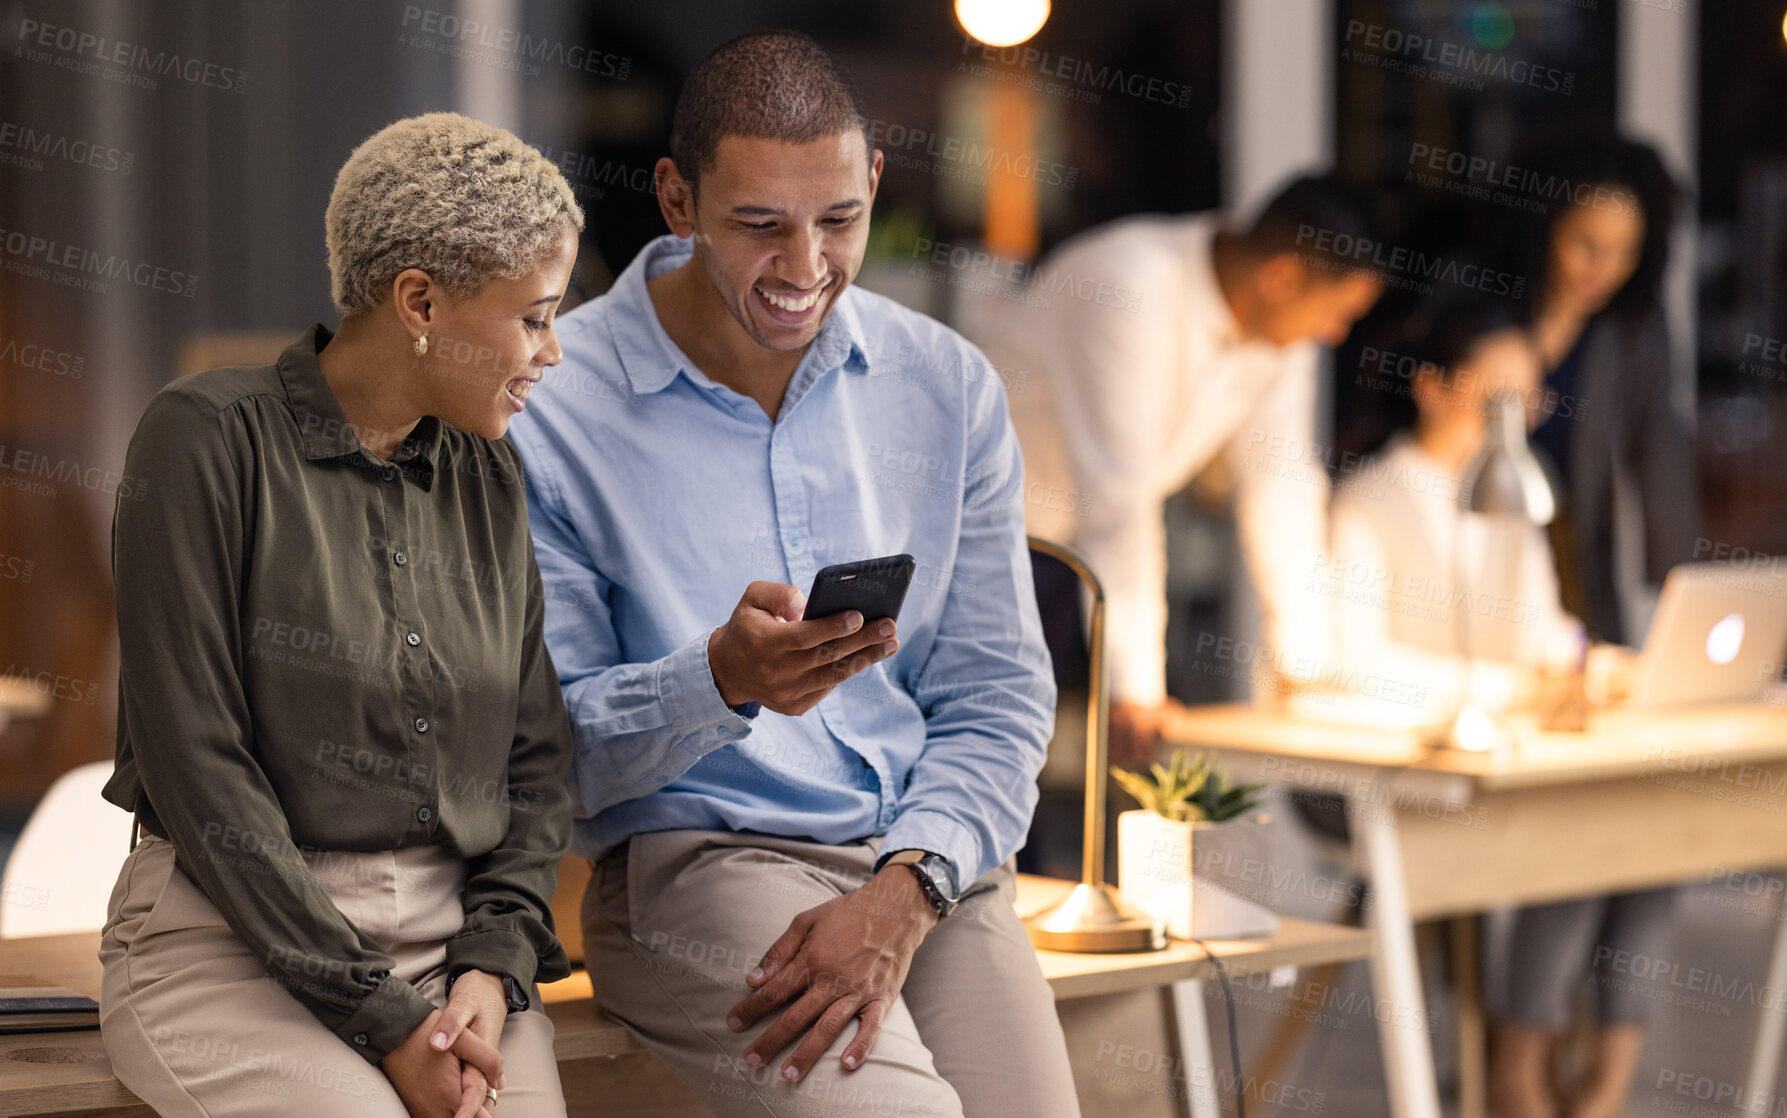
(766, 653)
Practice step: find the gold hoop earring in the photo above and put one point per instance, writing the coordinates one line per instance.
(422, 346)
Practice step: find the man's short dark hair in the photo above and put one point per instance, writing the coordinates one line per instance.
(769, 85)
(1328, 222)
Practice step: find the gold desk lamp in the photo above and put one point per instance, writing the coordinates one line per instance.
(1092, 917)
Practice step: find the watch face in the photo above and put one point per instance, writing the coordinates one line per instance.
(937, 870)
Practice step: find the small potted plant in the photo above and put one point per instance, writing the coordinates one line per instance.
(1154, 844)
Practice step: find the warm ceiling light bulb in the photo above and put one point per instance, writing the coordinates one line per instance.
(1002, 23)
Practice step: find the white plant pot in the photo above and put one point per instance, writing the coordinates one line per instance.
(1154, 873)
(1154, 867)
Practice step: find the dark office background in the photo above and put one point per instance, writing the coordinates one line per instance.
(228, 185)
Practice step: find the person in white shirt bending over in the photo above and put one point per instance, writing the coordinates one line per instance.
(1156, 346)
(1419, 583)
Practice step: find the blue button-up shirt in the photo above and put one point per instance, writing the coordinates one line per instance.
(656, 495)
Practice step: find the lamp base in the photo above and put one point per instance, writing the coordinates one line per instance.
(1094, 919)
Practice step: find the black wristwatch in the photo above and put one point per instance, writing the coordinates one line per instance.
(935, 877)
(515, 994)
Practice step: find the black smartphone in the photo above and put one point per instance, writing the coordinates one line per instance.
(873, 587)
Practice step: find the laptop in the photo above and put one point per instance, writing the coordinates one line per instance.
(1718, 635)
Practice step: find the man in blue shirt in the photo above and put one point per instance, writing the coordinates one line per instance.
(795, 824)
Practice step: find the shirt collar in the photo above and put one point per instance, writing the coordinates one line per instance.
(324, 427)
(1212, 308)
(651, 360)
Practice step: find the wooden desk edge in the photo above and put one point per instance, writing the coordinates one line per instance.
(584, 1034)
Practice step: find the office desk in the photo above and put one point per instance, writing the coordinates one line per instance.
(1639, 799)
(67, 1073)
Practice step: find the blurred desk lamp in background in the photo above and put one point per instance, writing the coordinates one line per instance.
(1092, 917)
(1505, 478)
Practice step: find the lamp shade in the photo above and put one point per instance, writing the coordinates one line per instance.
(1506, 477)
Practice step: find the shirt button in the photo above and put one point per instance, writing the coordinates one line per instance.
(413, 639)
(362, 1039)
(400, 558)
(421, 725)
(423, 815)
(389, 473)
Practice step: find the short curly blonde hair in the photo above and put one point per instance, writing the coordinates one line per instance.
(462, 200)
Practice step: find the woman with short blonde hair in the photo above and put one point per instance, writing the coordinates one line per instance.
(339, 728)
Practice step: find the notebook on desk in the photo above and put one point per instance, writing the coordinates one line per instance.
(29, 1004)
(1718, 635)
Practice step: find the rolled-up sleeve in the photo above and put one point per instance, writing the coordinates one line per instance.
(987, 689)
(178, 565)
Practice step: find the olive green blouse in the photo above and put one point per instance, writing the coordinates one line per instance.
(323, 650)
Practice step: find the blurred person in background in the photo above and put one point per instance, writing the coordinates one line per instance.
(1596, 261)
(1206, 349)
(339, 728)
(1450, 606)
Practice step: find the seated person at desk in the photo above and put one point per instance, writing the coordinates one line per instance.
(1418, 582)
(803, 828)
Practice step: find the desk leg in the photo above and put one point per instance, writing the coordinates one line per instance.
(1395, 970)
(1765, 1057)
(1467, 980)
(1193, 1027)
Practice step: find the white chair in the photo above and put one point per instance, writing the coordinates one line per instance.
(60, 873)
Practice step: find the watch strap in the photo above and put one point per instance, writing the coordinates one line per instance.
(926, 866)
